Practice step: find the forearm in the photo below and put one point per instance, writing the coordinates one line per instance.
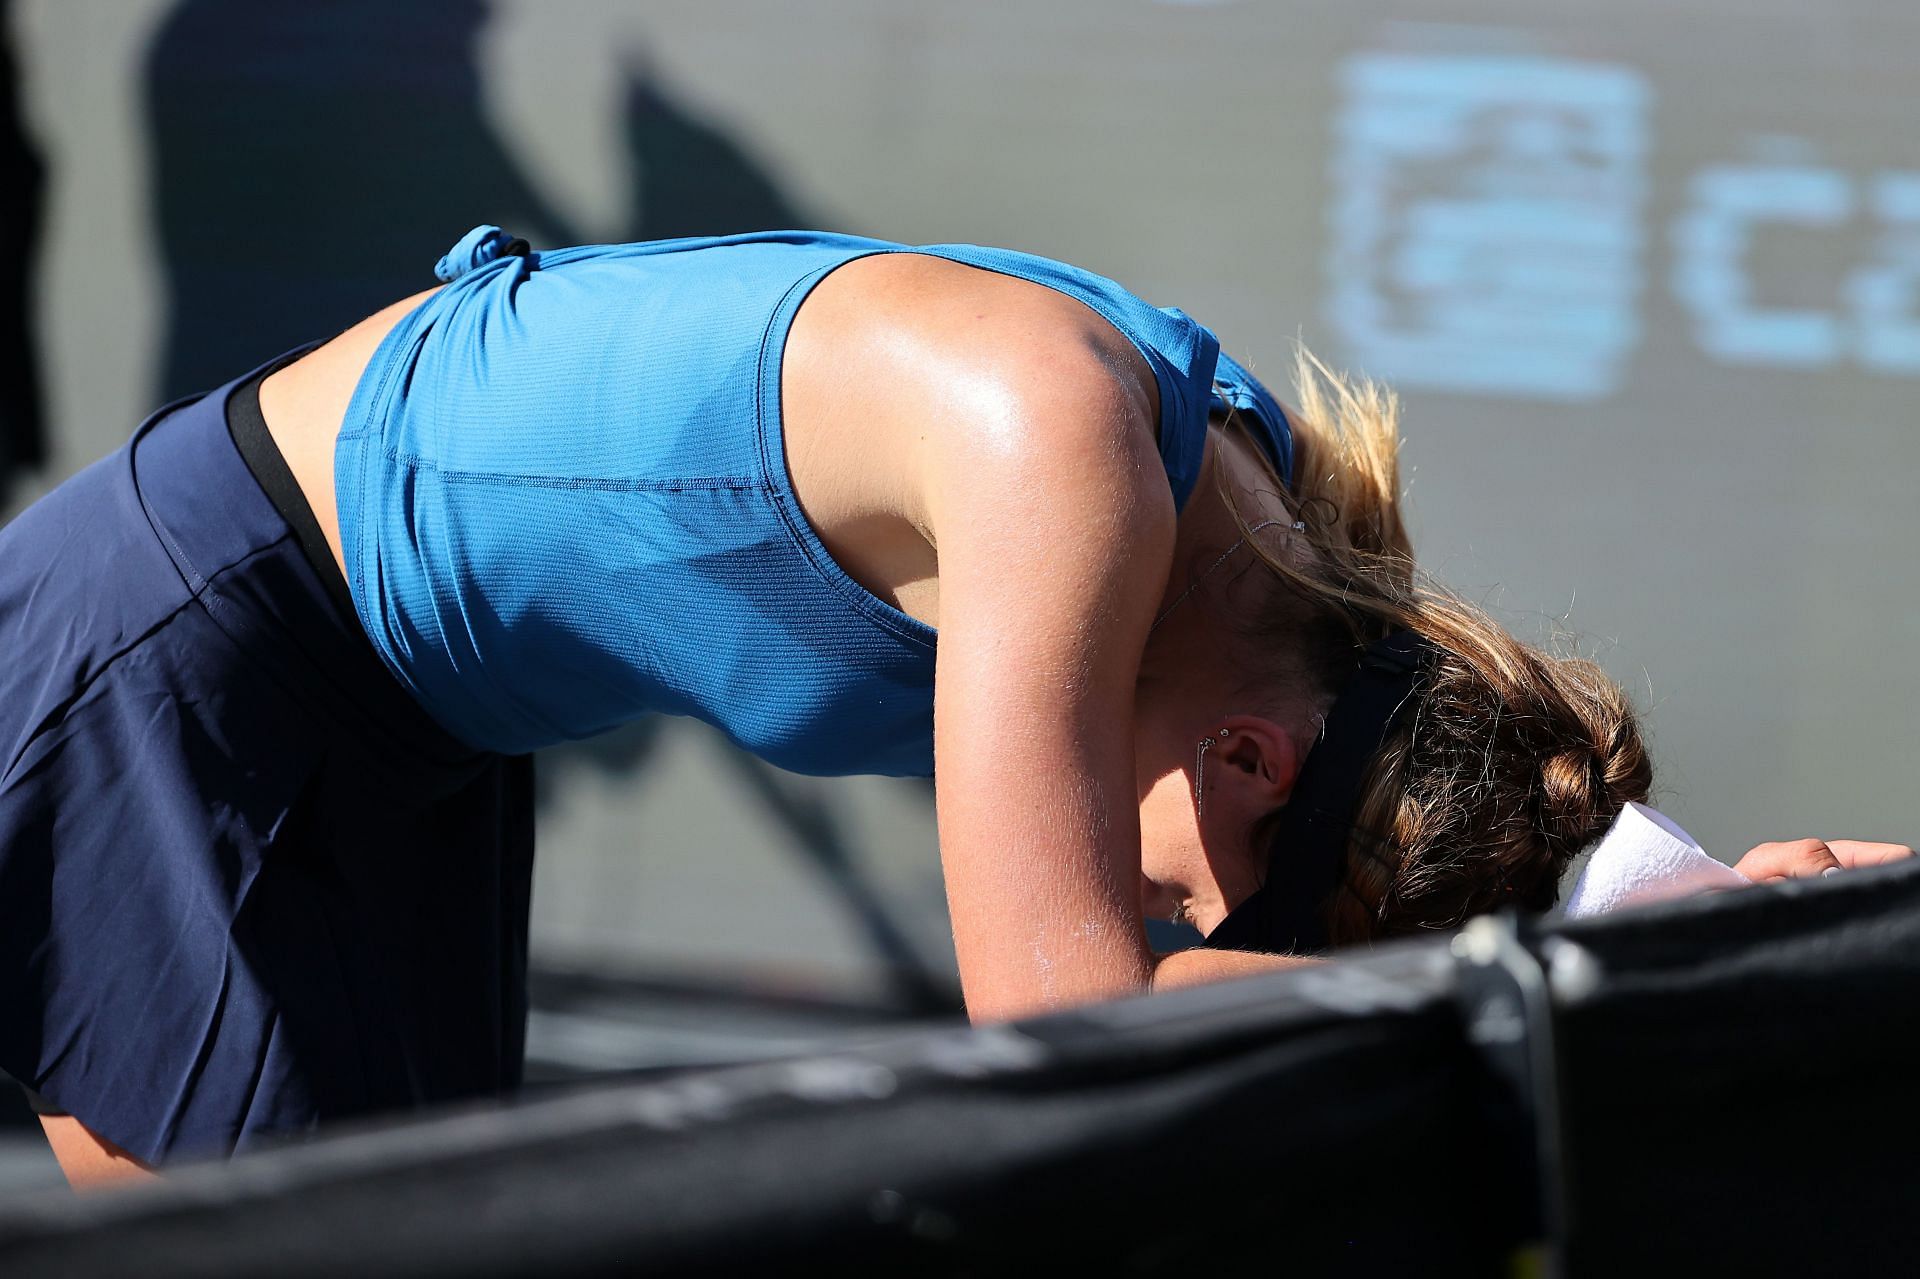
(1164, 972)
(1197, 966)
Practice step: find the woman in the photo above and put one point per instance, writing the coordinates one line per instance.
(258, 872)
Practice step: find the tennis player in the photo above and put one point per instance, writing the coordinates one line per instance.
(272, 672)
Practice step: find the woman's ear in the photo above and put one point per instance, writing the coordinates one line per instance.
(1246, 772)
(1257, 760)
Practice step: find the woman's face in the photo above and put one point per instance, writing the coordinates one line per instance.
(1202, 811)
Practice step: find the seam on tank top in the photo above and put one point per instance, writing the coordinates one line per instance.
(856, 596)
(511, 479)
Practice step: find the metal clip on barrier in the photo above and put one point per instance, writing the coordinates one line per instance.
(1508, 988)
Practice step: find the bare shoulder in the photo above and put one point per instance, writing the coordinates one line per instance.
(947, 327)
(926, 375)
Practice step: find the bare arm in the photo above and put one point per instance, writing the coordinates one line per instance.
(1013, 431)
(1054, 528)
(1196, 967)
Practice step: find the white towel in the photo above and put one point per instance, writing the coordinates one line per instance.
(1645, 857)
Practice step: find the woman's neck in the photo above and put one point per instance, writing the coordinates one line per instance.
(1212, 586)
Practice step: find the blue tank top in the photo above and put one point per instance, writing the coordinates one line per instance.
(564, 500)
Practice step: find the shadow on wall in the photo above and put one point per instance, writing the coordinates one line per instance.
(22, 177)
(312, 161)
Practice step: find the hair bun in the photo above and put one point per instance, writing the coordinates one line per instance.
(1573, 794)
(1602, 763)
(1512, 759)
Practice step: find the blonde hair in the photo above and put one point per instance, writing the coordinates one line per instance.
(1510, 760)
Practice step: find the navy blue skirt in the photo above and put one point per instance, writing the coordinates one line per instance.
(246, 884)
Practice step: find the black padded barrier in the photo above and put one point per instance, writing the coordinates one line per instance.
(1728, 1084)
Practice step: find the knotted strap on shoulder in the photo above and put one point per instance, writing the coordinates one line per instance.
(476, 248)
